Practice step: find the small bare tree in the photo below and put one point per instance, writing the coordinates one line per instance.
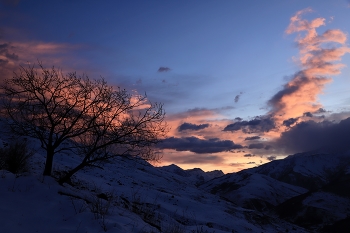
(98, 121)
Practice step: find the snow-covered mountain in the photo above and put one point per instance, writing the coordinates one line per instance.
(195, 175)
(310, 189)
(253, 190)
(310, 170)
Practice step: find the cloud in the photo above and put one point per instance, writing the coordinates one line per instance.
(163, 69)
(248, 155)
(239, 165)
(308, 114)
(8, 59)
(256, 146)
(311, 135)
(317, 54)
(237, 97)
(194, 159)
(290, 121)
(6, 53)
(258, 124)
(199, 122)
(195, 113)
(189, 126)
(297, 96)
(321, 110)
(252, 138)
(197, 145)
(3, 62)
(271, 158)
(13, 54)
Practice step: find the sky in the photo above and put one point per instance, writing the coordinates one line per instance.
(242, 82)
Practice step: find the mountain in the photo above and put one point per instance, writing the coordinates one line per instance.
(310, 170)
(310, 189)
(252, 190)
(195, 175)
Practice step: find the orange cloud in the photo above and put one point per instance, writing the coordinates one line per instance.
(317, 61)
(194, 116)
(14, 54)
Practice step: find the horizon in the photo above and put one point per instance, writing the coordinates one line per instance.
(242, 84)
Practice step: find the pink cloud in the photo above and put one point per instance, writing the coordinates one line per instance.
(317, 63)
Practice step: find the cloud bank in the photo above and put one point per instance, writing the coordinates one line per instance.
(198, 145)
(258, 124)
(252, 138)
(311, 135)
(190, 126)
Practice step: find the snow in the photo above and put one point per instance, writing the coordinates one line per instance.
(30, 205)
(137, 197)
(195, 175)
(253, 186)
(329, 202)
(309, 170)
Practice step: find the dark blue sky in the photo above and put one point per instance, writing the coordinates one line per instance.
(209, 62)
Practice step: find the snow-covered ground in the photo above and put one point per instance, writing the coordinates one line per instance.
(127, 195)
(242, 187)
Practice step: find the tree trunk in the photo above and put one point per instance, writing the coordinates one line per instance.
(67, 176)
(49, 161)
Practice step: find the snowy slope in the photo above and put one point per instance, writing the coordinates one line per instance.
(316, 210)
(128, 195)
(310, 170)
(252, 190)
(195, 175)
(310, 189)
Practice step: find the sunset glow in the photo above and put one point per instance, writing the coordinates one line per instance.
(241, 83)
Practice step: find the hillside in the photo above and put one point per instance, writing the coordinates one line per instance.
(128, 195)
(309, 189)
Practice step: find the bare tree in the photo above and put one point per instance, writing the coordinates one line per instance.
(98, 121)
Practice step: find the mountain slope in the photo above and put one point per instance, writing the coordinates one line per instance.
(252, 190)
(310, 189)
(310, 170)
(195, 175)
(126, 195)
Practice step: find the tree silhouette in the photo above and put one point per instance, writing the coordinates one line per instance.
(94, 120)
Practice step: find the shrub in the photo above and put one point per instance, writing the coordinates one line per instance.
(14, 157)
(101, 205)
(173, 228)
